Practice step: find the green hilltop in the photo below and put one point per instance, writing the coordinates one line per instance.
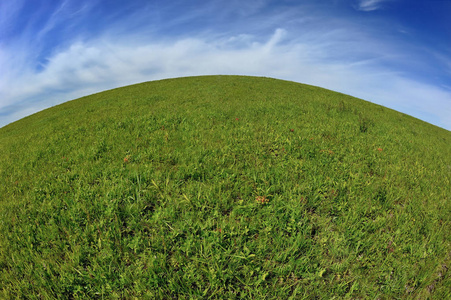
(224, 187)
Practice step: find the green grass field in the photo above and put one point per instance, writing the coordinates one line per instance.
(224, 187)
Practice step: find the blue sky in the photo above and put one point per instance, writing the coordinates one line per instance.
(396, 53)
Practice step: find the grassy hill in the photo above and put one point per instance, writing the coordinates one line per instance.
(224, 187)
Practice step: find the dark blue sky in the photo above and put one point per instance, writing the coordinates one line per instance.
(396, 53)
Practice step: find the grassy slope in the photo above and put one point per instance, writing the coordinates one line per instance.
(224, 186)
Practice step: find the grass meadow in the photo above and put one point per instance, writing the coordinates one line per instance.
(224, 187)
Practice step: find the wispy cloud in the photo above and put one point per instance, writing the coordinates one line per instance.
(9, 11)
(101, 64)
(369, 5)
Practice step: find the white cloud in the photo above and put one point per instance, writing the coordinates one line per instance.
(369, 5)
(85, 68)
